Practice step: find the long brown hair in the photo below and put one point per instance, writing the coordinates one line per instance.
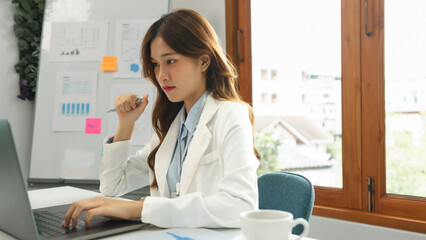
(189, 34)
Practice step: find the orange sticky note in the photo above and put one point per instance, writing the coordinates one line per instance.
(93, 125)
(109, 64)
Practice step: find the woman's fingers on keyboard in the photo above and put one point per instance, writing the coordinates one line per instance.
(77, 208)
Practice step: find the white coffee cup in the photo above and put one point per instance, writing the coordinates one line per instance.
(270, 225)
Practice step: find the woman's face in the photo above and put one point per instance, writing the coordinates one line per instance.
(181, 78)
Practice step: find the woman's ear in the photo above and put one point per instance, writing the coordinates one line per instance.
(205, 62)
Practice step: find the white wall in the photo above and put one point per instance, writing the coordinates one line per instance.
(212, 10)
(20, 114)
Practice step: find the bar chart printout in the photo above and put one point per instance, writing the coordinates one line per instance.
(75, 109)
(75, 100)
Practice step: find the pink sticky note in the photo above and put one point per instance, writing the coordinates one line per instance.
(93, 125)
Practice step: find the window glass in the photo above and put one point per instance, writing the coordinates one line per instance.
(297, 45)
(405, 97)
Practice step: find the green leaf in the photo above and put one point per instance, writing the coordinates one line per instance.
(18, 19)
(41, 8)
(30, 59)
(19, 32)
(34, 14)
(24, 14)
(32, 83)
(18, 68)
(33, 26)
(32, 75)
(15, 27)
(23, 61)
(31, 68)
(23, 45)
(27, 58)
(27, 33)
(36, 53)
(28, 39)
(26, 6)
(29, 36)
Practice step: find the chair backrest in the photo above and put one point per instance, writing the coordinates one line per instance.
(287, 192)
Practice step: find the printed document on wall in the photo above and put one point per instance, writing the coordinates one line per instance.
(143, 128)
(78, 41)
(75, 100)
(128, 39)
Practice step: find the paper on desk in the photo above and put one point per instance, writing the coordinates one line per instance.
(187, 234)
(58, 196)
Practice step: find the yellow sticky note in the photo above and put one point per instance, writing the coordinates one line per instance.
(109, 64)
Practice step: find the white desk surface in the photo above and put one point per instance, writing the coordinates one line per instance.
(66, 195)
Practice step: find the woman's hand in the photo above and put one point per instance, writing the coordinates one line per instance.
(127, 110)
(102, 206)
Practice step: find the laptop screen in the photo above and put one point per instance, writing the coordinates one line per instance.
(15, 211)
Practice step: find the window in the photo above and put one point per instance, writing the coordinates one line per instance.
(405, 74)
(274, 74)
(370, 113)
(274, 98)
(264, 74)
(309, 67)
(265, 98)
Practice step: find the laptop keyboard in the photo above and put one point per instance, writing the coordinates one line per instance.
(49, 224)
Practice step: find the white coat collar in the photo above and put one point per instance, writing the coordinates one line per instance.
(198, 146)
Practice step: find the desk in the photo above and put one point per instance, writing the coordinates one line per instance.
(66, 195)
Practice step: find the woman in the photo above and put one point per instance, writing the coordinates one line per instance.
(200, 163)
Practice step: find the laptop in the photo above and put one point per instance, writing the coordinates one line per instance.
(20, 221)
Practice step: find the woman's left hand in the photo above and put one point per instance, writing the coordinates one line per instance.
(102, 206)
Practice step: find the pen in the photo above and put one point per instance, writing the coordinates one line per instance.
(138, 100)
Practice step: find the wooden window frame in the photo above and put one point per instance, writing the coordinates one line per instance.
(363, 90)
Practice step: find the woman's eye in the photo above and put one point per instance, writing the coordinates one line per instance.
(171, 61)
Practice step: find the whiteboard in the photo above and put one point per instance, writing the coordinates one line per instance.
(75, 155)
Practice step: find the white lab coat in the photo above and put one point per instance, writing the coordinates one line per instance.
(218, 179)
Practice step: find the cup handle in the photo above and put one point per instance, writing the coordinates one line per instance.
(305, 224)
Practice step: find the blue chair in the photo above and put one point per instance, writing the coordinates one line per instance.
(287, 192)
